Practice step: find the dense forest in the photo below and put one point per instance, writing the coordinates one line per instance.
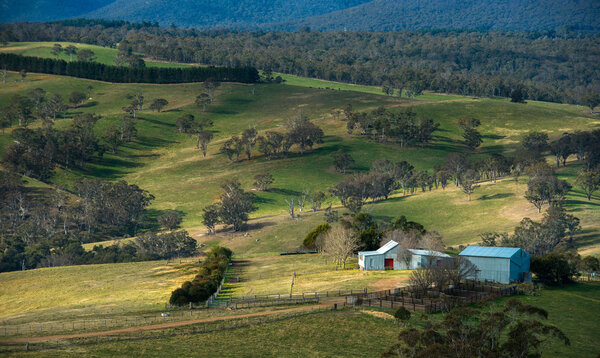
(395, 15)
(327, 15)
(540, 66)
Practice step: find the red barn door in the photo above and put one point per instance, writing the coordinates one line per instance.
(389, 264)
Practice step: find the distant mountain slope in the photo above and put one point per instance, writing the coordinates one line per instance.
(218, 14)
(393, 15)
(323, 15)
(46, 10)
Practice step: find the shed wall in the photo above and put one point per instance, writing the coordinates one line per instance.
(494, 269)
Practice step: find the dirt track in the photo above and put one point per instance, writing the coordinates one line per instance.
(162, 325)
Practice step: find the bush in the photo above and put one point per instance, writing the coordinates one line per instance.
(402, 314)
(311, 237)
(554, 269)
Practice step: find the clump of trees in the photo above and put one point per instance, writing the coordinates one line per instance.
(207, 281)
(300, 132)
(196, 127)
(513, 330)
(384, 125)
(554, 232)
(37, 151)
(46, 227)
(233, 207)
(555, 268)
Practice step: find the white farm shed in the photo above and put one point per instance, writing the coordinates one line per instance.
(388, 257)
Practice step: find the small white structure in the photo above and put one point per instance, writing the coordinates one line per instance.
(388, 257)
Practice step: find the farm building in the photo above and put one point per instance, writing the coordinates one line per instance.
(499, 264)
(388, 257)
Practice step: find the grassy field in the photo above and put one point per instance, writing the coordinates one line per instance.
(64, 293)
(313, 273)
(350, 333)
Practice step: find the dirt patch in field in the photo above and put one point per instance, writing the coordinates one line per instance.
(377, 314)
(390, 283)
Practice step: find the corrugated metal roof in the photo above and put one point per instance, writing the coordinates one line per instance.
(382, 250)
(387, 247)
(500, 252)
(428, 253)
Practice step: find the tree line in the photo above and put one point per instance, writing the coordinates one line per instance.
(131, 74)
(207, 281)
(540, 66)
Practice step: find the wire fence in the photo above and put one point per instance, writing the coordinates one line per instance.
(430, 301)
(201, 328)
(300, 295)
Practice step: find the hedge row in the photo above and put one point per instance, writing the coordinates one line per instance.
(206, 281)
(120, 74)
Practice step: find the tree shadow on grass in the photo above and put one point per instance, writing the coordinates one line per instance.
(157, 122)
(493, 136)
(286, 192)
(108, 168)
(584, 202)
(496, 196)
(262, 200)
(587, 237)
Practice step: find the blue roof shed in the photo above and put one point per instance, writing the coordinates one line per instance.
(499, 264)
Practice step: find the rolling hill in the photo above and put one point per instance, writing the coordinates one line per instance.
(46, 10)
(218, 14)
(327, 15)
(394, 15)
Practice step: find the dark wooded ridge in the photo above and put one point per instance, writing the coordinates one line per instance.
(120, 74)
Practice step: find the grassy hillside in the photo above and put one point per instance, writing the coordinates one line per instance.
(166, 163)
(88, 291)
(104, 55)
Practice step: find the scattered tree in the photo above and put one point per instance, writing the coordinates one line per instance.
(76, 98)
(71, 50)
(235, 205)
(589, 182)
(342, 161)
(210, 217)
(158, 104)
(340, 244)
(468, 182)
(170, 219)
(86, 55)
(263, 181)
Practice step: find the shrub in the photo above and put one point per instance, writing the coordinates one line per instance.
(402, 315)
